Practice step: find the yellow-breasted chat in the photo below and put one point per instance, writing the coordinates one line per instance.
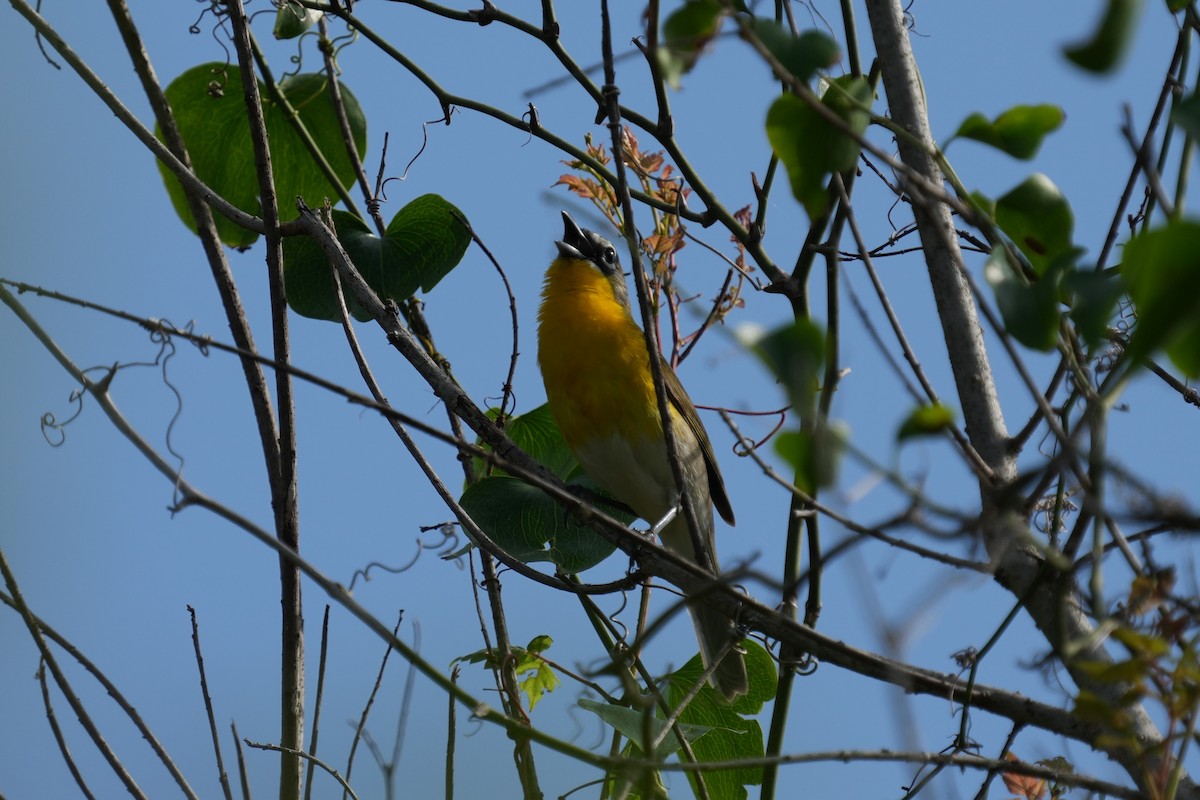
(599, 386)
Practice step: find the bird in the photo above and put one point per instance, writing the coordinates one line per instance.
(596, 369)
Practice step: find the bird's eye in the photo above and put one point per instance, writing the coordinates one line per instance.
(610, 255)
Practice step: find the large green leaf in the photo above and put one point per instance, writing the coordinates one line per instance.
(537, 433)
(810, 147)
(1030, 309)
(734, 735)
(423, 242)
(800, 55)
(795, 354)
(1162, 270)
(209, 108)
(1019, 131)
(632, 724)
(1038, 218)
(526, 521)
(531, 526)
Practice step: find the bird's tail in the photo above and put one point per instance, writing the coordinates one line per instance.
(714, 631)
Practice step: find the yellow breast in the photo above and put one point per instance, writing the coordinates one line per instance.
(593, 358)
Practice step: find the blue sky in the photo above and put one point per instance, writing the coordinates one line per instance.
(86, 527)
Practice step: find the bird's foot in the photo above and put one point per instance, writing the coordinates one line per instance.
(657, 528)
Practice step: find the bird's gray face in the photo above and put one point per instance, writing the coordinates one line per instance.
(590, 246)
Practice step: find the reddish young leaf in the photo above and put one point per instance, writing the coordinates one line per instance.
(576, 185)
(1026, 787)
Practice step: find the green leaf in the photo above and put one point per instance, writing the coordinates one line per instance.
(293, 19)
(1019, 131)
(685, 34)
(1109, 42)
(539, 644)
(795, 354)
(525, 521)
(1185, 683)
(814, 455)
(734, 735)
(632, 724)
(761, 674)
(800, 55)
(1038, 218)
(985, 204)
(1143, 644)
(925, 421)
(537, 433)
(1184, 351)
(1162, 270)
(1093, 299)
(532, 527)
(535, 678)
(1091, 707)
(850, 98)
(810, 147)
(422, 243)
(1186, 115)
(1131, 670)
(1030, 310)
(209, 107)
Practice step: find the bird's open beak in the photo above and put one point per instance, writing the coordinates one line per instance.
(573, 241)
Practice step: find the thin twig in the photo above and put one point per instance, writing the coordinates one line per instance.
(506, 677)
(339, 108)
(507, 390)
(992, 773)
(243, 774)
(366, 712)
(1187, 393)
(316, 723)
(1170, 82)
(960, 760)
(1143, 158)
(59, 738)
(451, 734)
(405, 711)
(901, 544)
(118, 697)
(284, 489)
(64, 686)
(300, 754)
(208, 707)
(982, 470)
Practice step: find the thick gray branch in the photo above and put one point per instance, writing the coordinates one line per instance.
(1051, 599)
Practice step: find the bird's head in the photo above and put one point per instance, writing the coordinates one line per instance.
(581, 245)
